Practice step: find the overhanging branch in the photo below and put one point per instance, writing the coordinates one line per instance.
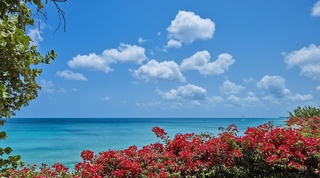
(61, 15)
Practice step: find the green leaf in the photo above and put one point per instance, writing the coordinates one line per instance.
(2, 122)
(19, 65)
(4, 34)
(3, 135)
(2, 87)
(16, 158)
(53, 54)
(5, 95)
(8, 150)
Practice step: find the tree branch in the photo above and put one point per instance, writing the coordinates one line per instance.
(43, 13)
(61, 15)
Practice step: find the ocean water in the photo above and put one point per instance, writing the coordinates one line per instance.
(52, 140)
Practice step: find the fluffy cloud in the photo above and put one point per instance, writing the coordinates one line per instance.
(229, 87)
(124, 53)
(173, 44)
(215, 99)
(47, 86)
(234, 100)
(271, 99)
(188, 27)
(141, 40)
(274, 85)
(249, 80)
(91, 61)
(153, 70)
(307, 58)
(251, 98)
(69, 75)
(299, 97)
(201, 62)
(186, 92)
(315, 11)
(35, 35)
(311, 71)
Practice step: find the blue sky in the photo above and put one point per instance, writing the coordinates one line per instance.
(179, 59)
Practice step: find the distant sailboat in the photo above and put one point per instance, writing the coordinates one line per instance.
(243, 118)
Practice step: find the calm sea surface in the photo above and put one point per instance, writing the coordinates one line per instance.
(48, 140)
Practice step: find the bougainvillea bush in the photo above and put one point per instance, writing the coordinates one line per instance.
(263, 151)
(308, 126)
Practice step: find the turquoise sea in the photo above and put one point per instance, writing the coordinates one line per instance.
(61, 140)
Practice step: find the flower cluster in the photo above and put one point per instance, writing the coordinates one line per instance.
(55, 171)
(262, 151)
(308, 126)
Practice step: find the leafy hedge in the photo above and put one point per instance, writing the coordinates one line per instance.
(307, 111)
(263, 151)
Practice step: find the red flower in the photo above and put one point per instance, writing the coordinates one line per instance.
(60, 168)
(87, 155)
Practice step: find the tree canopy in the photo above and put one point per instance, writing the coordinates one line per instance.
(305, 112)
(19, 59)
(19, 62)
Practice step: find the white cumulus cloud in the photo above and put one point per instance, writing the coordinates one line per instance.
(101, 62)
(186, 92)
(91, 61)
(299, 97)
(249, 80)
(201, 62)
(141, 40)
(315, 11)
(234, 100)
(251, 98)
(35, 35)
(311, 71)
(307, 59)
(229, 87)
(173, 44)
(274, 85)
(154, 70)
(69, 75)
(215, 99)
(188, 27)
(126, 53)
(271, 99)
(248, 101)
(47, 86)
